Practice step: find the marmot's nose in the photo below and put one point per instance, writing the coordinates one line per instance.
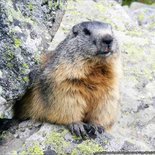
(105, 44)
(104, 40)
(107, 39)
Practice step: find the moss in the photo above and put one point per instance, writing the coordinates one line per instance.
(9, 55)
(34, 150)
(100, 7)
(87, 147)
(57, 140)
(132, 78)
(16, 14)
(26, 79)
(10, 18)
(14, 153)
(76, 137)
(31, 7)
(23, 71)
(137, 53)
(25, 65)
(71, 8)
(50, 4)
(134, 52)
(75, 12)
(141, 17)
(147, 73)
(25, 68)
(9, 65)
(17, 42)
(152, 26)
(153, 66)
(136, 33)
(55, 5)
(23, 153)
(37, 57)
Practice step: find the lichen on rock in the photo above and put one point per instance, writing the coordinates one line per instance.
(26, 30)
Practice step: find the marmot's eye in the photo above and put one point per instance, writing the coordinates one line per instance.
(87, 32)
(75, 33)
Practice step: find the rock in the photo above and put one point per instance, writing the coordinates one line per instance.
(26, 30)
(134, 130)
(127, 146)
(144, 15)
(5, 108)
(119, 1)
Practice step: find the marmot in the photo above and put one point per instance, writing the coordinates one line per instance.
(79, 82)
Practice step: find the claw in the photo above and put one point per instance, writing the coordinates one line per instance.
(93, 129)
(78, 129)
(100, 129)
(85, 130)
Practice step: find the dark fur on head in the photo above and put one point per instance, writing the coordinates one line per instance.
(90, 40)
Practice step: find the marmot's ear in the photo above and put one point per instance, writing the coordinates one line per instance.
(75, 30)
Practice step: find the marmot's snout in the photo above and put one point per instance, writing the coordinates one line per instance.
(105, 45)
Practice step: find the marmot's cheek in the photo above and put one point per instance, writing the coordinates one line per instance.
(114, 48)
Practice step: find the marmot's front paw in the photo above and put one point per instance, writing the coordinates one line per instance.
(93, 129)
(85, 130)
(78, 129)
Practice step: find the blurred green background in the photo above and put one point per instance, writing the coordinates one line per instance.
(128, 2)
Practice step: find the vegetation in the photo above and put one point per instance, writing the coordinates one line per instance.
(128, 2)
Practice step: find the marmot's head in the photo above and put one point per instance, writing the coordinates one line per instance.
(91, 39)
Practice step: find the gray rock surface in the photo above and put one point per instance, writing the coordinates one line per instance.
(135, 129)
(26, 30)
(119, 1)
(143, 14)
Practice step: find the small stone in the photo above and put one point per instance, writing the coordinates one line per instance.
(50, 152)
(2, 100)
(0, 90)
(128, 146)
(1, 74)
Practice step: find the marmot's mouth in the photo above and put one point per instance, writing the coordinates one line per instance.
(104, 53)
